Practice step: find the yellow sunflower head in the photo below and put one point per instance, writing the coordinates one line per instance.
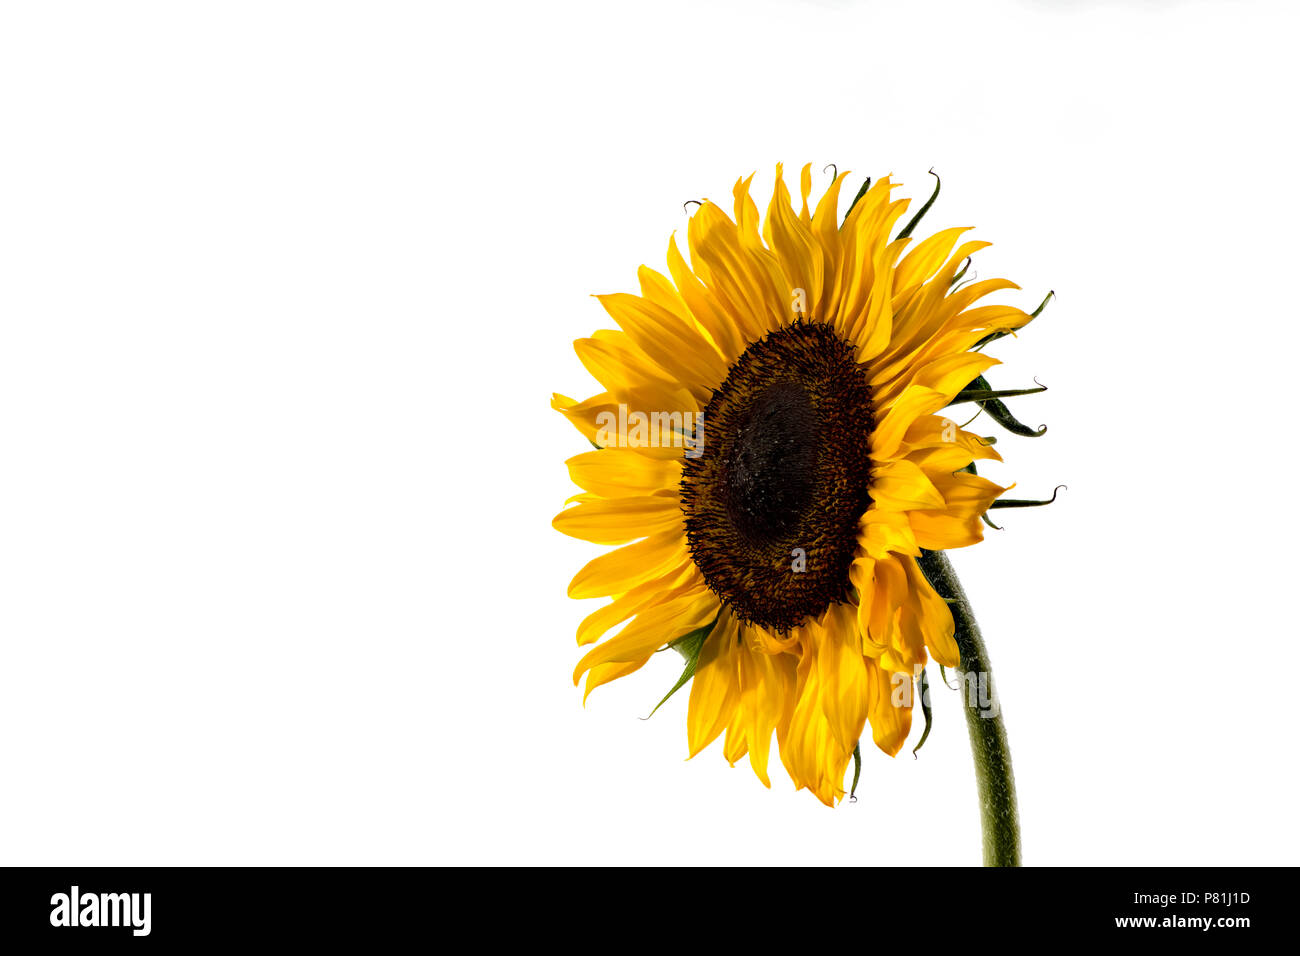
(772, 459)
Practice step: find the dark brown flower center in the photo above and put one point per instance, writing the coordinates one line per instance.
(773, 500)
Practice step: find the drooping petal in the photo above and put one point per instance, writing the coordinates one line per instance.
(812, 756)
(842, 671)
(715, 689)
(958, 524)
(933, 617)
(900, 485)
(889, 707)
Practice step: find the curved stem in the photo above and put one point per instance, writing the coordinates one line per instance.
(988, 735)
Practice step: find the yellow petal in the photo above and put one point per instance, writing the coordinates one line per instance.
(889, 707)
(619, 520)
(604, 673)
(926, 257)
(621, 473)
(812, 756)
(966, 497)
(767, 699)
(882, 532)
(842, 671)
(676, 347)
(934, 618)
(715, 688)
(862, 575)
(625, 568)
(652, 629)
(672, 583)
(792, 239)
(900, 485)
(916, 400)
(945, 376)
(708, 312)
(630, 377)
(756, 303)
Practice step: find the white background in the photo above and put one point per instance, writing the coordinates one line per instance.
(285, 289)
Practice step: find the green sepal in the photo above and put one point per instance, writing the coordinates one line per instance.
(857, 772)
(1026, 502)
(994, 336)
(685, 645)
(984, 394)
(925, 709)
(689, 646)
(1042, 305)
(961, 272)
(1000, 413)
(861, 192)
(907, 230)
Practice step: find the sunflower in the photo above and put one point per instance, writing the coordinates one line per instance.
(771, 460)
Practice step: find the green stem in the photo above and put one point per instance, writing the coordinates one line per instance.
(988, 735)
